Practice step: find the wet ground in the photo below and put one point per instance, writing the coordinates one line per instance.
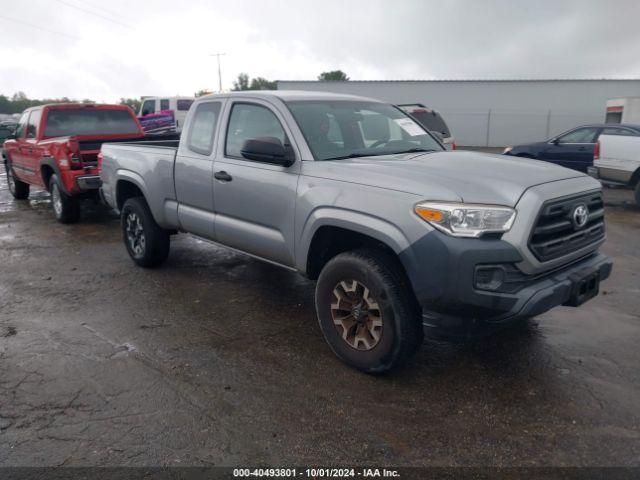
(217, 359)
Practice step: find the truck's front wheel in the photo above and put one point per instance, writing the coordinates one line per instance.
(18, 189)
(147, 243)
(367, 312)
(65, 208)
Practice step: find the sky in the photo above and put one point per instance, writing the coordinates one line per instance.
(104, 50)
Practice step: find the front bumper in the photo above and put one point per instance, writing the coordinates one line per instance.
(486, 311)
(442, 271)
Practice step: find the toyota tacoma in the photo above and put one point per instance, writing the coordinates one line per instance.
(401, 235)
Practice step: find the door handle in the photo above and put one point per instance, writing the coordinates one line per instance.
(222, 176)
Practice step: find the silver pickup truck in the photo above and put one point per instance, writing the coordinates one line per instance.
(402, 236)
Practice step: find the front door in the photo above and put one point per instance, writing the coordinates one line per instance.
(255, 201)
(31, 152)
(18, 151)
(573, 149)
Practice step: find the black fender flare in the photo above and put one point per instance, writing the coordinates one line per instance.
(50, 162)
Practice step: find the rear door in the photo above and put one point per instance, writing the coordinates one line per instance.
(573, 149)
(194, 171)
(255, 201)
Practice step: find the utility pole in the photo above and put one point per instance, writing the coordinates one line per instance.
(218, 55)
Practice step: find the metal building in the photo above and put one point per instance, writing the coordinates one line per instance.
(494, 112)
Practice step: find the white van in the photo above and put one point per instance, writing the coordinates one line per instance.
(179, 106)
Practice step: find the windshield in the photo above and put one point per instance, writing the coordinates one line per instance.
(89, 121)
(431, 120)
(345, 129)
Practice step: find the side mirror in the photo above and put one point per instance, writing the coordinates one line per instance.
(268, 150)
(438, 135)
(556, 141)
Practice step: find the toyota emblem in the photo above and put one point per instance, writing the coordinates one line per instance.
(580, 216)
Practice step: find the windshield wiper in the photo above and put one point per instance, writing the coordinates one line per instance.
(415, 150)
(354, 155)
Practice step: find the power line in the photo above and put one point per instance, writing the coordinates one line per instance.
(44, 29)
(90, 12)
(97, 7)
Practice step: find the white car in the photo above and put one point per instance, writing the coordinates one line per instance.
(616, 160)
(179, 105)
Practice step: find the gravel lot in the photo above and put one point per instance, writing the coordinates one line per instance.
(217, 359)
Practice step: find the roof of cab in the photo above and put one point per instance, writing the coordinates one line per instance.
(75, 105)
(291, 95)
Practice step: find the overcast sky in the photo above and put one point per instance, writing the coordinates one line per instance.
(105, 50)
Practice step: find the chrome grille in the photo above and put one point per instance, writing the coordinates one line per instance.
(556, 232)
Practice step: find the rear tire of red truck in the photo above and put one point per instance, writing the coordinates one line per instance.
(65, 208)
(147, 243)
(18, 189)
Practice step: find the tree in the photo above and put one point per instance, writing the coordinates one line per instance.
(242, 83)
(200, 93)
(134, 103)
(261, 83)
(333, 76)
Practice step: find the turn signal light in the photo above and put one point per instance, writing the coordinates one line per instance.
(430, 215)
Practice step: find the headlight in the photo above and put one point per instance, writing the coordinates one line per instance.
(507, 150)
(466, 220)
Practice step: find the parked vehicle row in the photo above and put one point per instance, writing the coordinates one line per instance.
(401, 235)
(572, 149)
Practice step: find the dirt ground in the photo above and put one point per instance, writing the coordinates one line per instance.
(217, 359)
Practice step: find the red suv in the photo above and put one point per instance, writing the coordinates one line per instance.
(56, 147)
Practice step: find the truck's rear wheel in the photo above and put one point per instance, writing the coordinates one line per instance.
(18, 189)
(366, 310)
(147, 243)
(65, 208)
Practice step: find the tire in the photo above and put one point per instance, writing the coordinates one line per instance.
(65, 208)
(636, 193)
(18, 189)
(390, 329)
(147, 243)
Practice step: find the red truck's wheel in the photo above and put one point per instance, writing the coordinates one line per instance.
(366, 311)
(147, 243)
(65, 208)
(18, 189)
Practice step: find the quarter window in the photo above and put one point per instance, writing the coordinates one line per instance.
(164, 104)
(248, 121)
(618, 131)
(203, 127)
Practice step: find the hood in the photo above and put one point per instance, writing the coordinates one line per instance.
(465, 176)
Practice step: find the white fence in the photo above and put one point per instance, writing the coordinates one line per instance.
(499, 128)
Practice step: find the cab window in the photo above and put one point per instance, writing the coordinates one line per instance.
(148, 106)
(164, 104)
(249, 121)
(34, 123)
(22, 125)
(203, 128)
